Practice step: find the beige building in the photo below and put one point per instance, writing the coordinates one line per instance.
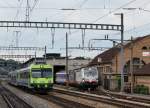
(109, 61)
(142, 76)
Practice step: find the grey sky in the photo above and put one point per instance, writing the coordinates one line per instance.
(87, 11)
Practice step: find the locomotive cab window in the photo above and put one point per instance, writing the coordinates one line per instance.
(46, 72)
(36, 74)
(41, 73)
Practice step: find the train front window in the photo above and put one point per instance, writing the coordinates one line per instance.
(46, 72)
(36, 74)
(90, 73)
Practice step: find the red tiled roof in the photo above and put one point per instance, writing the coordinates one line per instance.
(145, 70)
(136, 40)
(107, 56)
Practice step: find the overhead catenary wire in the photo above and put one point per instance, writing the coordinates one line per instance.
(7, 3)
(34, 5)
(80, 6)
(118, 9)
(114, 10)
(18, 9)
(35, 8)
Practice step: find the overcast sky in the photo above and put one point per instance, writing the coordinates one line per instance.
(136, 22)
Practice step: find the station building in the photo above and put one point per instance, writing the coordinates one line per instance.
(58, 62)
(109, 62)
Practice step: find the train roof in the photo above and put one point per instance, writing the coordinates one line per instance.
(83, 68)
(61, 73)
(41, 66)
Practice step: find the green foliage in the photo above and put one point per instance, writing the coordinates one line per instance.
(118, 78)
(141, 89)
(80, 58)
(7, 66)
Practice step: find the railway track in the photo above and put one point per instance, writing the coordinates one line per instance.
(118, 101)
(118, 95)
(57, 101)
(12, 100)
(122, 96)
(64, 103)
(131, 97)
(57, 96)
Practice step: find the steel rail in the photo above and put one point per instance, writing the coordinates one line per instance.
(106, 99)
(7, 101)
(12, 100)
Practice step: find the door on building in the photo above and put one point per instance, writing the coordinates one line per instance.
(106, 83)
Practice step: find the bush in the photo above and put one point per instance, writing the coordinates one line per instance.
(141, 89)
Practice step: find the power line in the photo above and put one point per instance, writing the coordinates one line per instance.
(18, 10)
(109, 12)
(35, 3)
(4, 1)
(80, 6)
(84, 2)
(63, 9)
(27, 11)
(114, 10)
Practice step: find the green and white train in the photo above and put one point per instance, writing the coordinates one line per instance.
(38, 77)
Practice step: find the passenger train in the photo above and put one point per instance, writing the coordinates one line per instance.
(83, 78)
(61, 77)
(38, 77)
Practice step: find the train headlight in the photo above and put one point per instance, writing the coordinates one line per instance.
(45, 85)
(83, 80)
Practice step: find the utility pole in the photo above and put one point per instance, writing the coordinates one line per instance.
(122, 53)
(131, 66)
(45, 55)
(35, 57)
(27, 11)
(67, 84)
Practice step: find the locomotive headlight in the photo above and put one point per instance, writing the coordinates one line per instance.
(83, 80)
(45, 85)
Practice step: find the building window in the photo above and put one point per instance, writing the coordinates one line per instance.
(101, 69)
(144, 48)
(137, 63)
(108, 69)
